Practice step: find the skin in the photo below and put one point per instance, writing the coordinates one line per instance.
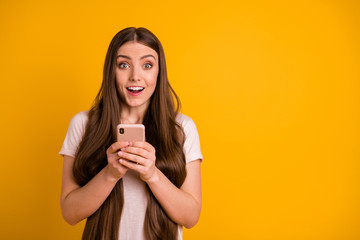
(137, 65)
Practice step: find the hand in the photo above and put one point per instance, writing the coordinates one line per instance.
(116, 169)
(141, 157)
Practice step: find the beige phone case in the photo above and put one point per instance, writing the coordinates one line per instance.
(131, 132)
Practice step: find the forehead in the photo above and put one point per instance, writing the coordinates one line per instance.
(136, 50)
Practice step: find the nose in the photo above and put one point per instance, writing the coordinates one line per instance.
(135, 74)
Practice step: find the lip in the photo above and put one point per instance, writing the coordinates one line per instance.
(133, 93)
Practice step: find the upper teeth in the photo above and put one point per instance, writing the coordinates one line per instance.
(135, 88)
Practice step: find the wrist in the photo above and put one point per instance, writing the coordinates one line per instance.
(154, 177)
(109, 176)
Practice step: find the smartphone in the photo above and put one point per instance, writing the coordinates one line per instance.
(131, 132)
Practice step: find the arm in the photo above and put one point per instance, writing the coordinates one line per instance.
(182, 205)
(78, 203)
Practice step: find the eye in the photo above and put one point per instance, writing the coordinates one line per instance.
(124, 65)
(147, 65)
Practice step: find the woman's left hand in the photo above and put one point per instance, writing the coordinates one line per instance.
(141, 157)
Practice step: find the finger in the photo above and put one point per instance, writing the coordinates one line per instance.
(136, 150)
(140, 152)
(131, 157)
(116, 146)
(117, 165)
(131, 165)
(145, 145)
(122, 166)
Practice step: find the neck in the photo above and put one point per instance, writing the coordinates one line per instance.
(132, 115)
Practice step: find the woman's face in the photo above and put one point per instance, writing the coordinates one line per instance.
(137, 68)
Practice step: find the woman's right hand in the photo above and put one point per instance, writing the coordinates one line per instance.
(95, 192)
(115, 169)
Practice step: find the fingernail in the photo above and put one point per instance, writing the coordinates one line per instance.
(120, 153)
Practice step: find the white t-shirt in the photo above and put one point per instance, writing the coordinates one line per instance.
(135, 202)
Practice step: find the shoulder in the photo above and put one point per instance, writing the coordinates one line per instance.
(80, 117)
(185, 121)
(79, 120)
(78, 123)
(74, 134)
(192, 142)
(188, 125)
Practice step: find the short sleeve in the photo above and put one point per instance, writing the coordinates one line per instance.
(192, 149)
(74, 134)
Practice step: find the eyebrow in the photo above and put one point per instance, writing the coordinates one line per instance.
(127, 57)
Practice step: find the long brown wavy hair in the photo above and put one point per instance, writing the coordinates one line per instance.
(162, 132)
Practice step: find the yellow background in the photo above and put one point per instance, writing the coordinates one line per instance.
(273, 87)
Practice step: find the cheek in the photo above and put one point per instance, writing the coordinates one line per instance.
(152, 86)
(120, 79)
(154, 79)
(120, 86)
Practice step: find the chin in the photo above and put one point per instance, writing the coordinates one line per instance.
(136, 104)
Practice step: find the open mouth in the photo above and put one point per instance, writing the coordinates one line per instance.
(135, 89)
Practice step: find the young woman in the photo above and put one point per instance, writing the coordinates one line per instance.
(132, 190)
